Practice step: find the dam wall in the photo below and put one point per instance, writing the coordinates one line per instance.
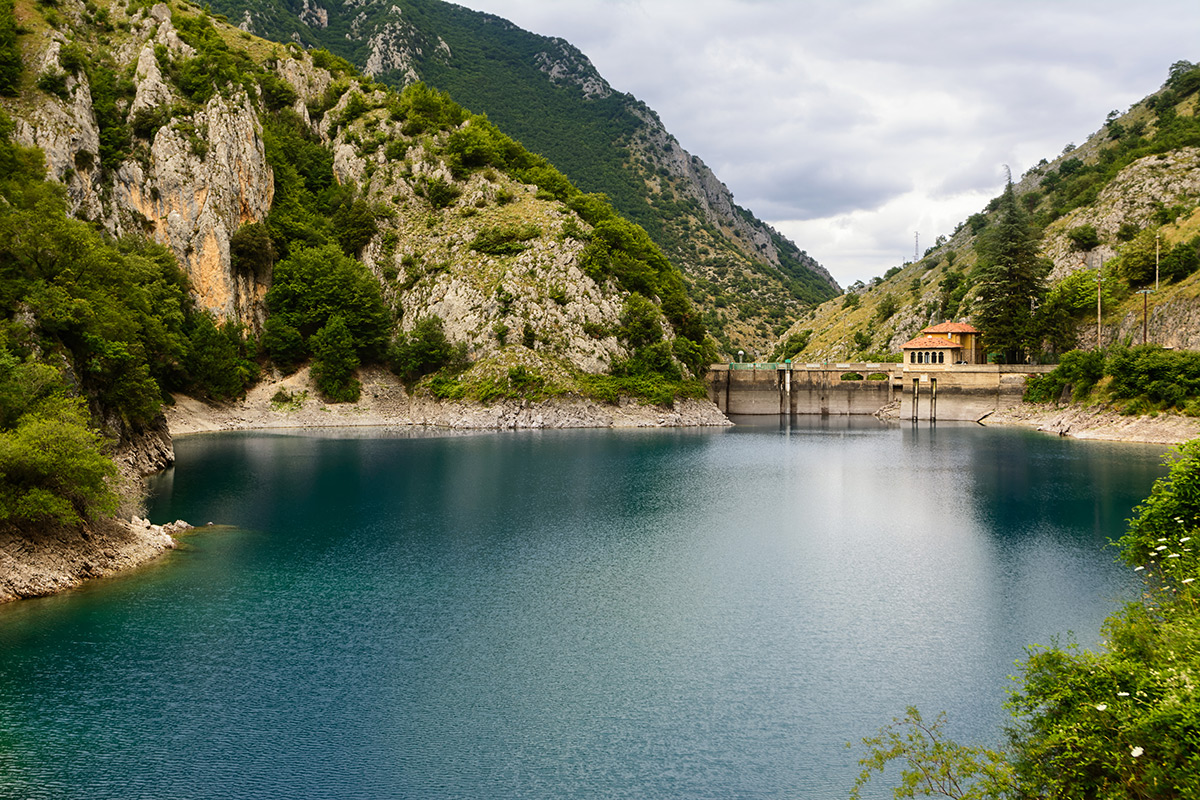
(912, 391)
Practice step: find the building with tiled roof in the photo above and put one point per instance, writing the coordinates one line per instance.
(945, 343)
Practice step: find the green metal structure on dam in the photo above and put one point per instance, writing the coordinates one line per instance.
(908, 391)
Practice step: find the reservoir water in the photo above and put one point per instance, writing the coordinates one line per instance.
(639, 614)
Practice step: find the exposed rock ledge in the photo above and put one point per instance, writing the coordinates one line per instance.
(52, 560)
(385, 403)
(1098, 422)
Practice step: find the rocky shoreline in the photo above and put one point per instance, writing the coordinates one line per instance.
(55, 559)
(293, 402)
(1098, 423)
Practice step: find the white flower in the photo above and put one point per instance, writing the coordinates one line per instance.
(1184, 539)
(1101, 706)
(1188, 580)
(1122, 694)
(1161, 547)
(1138, 569)
(1173, 555)
(1137, 751)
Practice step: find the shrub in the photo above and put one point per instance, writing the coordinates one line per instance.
(54, 83)
(793, 346)
(1080, 370)
(251, 250)
(852, 376)
(425, 350)
(887, 307)
(1084, 237)
(438, 191)
(505, 240)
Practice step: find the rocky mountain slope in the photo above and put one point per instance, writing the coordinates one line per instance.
(1126, 196)
(745, 276)
(162, 122)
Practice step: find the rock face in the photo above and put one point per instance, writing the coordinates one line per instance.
(1134, 196)
(53, 560)
(201, 176)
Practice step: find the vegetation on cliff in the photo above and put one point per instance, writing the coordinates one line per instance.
(1114, 724)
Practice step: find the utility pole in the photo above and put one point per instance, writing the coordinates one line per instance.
(1156, 239)
(916, 246)
(1145, 293)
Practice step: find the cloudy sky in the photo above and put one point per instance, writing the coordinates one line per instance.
(853, 126)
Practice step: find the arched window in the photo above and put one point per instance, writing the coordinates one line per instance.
(941, 356)
(912, 357)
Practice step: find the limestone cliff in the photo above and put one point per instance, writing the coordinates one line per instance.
(189, 183)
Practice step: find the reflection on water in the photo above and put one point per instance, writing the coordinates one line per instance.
(549, 614)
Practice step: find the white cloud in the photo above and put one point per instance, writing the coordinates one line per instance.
(851, 124)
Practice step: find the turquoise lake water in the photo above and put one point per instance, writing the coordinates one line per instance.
(639, 614)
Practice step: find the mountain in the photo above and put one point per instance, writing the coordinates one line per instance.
(1132, 187)
(215, 205)
(746, 277)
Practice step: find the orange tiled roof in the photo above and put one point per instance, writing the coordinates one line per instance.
(930, 343)
(950, 327)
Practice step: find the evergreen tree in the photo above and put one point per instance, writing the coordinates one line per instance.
(1009, 281)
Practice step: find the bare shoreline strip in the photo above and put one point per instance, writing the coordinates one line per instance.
(1099, 423)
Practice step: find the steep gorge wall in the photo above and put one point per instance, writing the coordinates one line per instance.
(190, 187)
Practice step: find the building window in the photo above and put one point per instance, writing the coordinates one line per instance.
(942, 357)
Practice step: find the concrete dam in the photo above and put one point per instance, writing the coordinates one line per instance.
(966, 392)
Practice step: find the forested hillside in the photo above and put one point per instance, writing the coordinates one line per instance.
(745, 277)
(1123, 201)
(184, 207)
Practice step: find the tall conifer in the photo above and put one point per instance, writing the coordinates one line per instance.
(1009, 281)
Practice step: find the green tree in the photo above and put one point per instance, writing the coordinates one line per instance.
(426, 349)
(1008, 281)
(251, 250)
(313, 284)
(1084, 237)
(335, 360)
(52, 467)
(1137, 258)
(217, 363)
